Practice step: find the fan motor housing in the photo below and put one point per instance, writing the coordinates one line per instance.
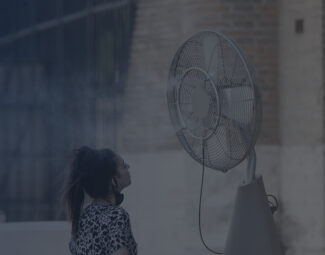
(201, 101)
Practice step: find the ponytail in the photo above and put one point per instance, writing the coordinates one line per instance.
(74, 191)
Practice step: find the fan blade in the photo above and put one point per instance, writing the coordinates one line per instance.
(238, 103)
(210, 54)
(232, 139)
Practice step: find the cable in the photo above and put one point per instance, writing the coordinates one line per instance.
(200, 206)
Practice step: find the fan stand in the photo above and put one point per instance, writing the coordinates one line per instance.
(251, 167)
(252, 230)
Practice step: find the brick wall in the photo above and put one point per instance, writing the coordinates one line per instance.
(161, 27)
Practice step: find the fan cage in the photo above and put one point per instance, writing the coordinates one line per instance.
(214, 149)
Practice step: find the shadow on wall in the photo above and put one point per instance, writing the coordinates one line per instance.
(30, 238)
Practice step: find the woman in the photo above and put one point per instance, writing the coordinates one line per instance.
(102, 227)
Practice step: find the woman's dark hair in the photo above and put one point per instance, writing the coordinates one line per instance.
(91, 171)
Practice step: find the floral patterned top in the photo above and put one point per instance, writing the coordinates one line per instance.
(103, 229)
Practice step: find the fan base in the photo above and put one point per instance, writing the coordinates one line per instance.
(252, 230)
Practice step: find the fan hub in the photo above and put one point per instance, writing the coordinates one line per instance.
(198, 103)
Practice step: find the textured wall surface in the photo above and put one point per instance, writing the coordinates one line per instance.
(301, 90)
(42, 237)
(161, 27)
(163, 200)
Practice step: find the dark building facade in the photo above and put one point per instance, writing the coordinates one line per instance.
(62, 66)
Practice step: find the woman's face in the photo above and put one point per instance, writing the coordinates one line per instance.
(123, 177)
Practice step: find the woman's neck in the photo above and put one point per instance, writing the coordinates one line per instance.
(110, 199)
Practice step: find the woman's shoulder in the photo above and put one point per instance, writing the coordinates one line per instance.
(120, 210)
(117, 212)
(106, 212)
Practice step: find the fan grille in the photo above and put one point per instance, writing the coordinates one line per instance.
(213, 98)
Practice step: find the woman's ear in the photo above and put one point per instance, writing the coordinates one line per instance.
(114, 182)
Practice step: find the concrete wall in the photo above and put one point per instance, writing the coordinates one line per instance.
(163, 200)
(301, 90)
(34, 238)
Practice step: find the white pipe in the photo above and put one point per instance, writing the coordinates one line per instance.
(251, 166)
(60, 21)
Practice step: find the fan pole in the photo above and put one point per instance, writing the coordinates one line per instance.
(251, 166)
